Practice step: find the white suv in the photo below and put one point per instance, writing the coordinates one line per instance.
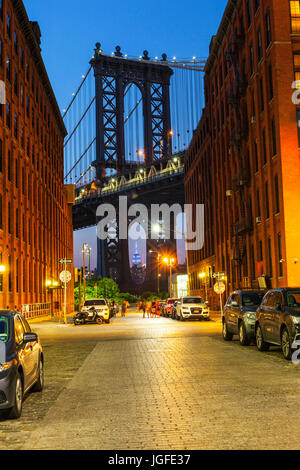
(100, 305)
(192, 308)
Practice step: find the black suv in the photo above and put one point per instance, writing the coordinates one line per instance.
(278, 320)
(240, 315)
(21, 362)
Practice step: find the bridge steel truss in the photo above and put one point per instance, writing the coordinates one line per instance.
(113, 76)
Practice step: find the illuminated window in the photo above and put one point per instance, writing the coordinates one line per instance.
(295, 16)
(297, 68)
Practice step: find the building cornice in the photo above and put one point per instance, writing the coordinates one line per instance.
(221, 34)
(31, 39)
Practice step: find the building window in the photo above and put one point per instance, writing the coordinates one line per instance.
(270, 257)
(271, 88)
(295, 16)
(264, 147)
(268, 29)
(262, 98)
(8, 69)
(251, 52)
(256, 5)
(249, 13)
(259, 45)
(274, 144)
(8, 25)
(267, 201)
(277, 199)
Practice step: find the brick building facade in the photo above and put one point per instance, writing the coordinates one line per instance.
(243, 162)
(35, 217)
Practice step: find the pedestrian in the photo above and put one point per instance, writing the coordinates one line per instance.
(124, 306)
(149, 308)
(144, 308)
(158, 308)
(153, 309)
(137, 305)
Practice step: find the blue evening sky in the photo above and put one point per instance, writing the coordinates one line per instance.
(70, 29)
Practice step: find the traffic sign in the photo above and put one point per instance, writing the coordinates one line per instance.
(219, 288)
(65, 276)
(65, 261)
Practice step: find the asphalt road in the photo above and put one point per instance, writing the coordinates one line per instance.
(156, 384)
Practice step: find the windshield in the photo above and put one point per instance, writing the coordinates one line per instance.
(252, 299)
(91, 303)
(193, 300)
(293, 299)
(4, 329)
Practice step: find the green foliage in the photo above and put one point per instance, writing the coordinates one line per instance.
(102, 288)
(154, 296)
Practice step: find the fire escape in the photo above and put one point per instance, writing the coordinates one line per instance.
(238, 139)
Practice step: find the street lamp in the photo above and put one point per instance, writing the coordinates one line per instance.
(2, 269)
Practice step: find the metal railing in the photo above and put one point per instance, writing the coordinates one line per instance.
(36, 310)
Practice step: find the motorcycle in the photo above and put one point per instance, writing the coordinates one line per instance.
(88, 316)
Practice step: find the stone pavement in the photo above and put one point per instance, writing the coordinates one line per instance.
(173, 392)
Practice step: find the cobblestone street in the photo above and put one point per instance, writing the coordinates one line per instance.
(156, 384)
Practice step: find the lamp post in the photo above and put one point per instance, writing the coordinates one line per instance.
(84, 247)
(170, 262)
(158, 269)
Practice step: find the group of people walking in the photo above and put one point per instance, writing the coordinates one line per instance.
(150, 308)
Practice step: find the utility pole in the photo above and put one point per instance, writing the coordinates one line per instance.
(89, 251)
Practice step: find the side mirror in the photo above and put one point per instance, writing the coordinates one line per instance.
(207, 302)
(234, 303)
(30, 338)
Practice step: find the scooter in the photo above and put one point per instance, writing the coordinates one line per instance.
(88, 316)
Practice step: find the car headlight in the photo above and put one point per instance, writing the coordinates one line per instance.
(296, 320)
(251, 315)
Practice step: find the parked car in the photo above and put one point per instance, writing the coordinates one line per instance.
(191, 308)
(100, 305)
(21, 362)
(240, 315)
(169, 306)
(278, 320)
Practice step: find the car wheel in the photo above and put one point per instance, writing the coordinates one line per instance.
(181, 317)
(99, 321)
(16, 410)
(38, 387)
(107, 321)
(260, 342)
(244, 339)
(226, 335)
(286, 345)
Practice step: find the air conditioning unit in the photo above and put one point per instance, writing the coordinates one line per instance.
(258, 220)
(253, 120)
(229, 193)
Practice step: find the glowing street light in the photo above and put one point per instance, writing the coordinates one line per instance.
(2, 269)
